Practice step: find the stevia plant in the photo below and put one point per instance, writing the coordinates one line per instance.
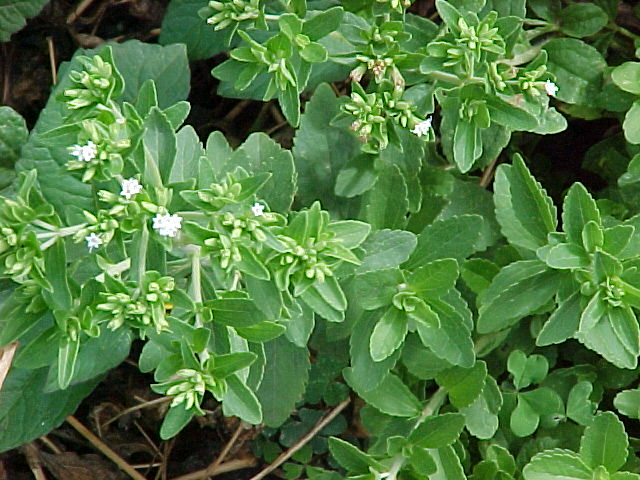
(487, 335)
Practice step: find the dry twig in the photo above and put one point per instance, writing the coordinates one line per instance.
(104, 449)
(30, 452)
(284, 456)
(52, 60)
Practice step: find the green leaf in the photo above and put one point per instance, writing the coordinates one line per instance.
(96, 356)
(14, 15)
(15, 322)
(578, 209)
(13, 134)
(580, 408)
(452, 340)
(67, 356)
(55, 261)
(531, 405)
(325, 301)
(316, 158)
(386, 204)
(240, 401)
(350, 457)
(603, 339)
(314, 53)
(434, 279)
(261, 332)
(175, 420)
(478, 273)
(464, 385)
(627, 402)
(421, 361)
(438, 431)
(449, 14)
(147, 98)
(557, 464)
(526, 370)
(227, 364)
(260, 154)
(167, 66)
(448, 464)
(357, 176)
(617, 238)
(322, 23)
(454, 237)
(627, 77)
(376, 289)
(577, 67)
(504, 112)
(386, 249)
(562, 323)
(524, 210)
(467, 145)
(517, 291)
(283, 383)
(289, 101)
(481, 417)
(188, 152)
(567, 256)
(235, 312)
(582, 19)
(365, 373)
(471, 198)
(391, 396)
(388, 334)
(631, 125)
(26, 412)
(605, 442)
(182, 24)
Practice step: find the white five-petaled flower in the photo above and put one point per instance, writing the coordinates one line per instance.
(130, 187)
(86, 153)
(422, 128)
(550, 87)
(93, 241)
(257, 209)
(166, 224)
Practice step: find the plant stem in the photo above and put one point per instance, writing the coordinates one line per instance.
(142, 260)
(284, 456)
(445, 77)
(622, 31)
(437, 399)
(195, 289)
(57, 232)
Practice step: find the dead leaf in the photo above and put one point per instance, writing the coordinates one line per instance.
(6, 356)
(71, 466)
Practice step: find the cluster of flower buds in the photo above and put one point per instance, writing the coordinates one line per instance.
(225, 13)
(141, 307)
(396, 5)
(95, 84)
(374, 111)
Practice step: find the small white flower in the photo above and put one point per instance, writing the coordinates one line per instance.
(257, 209)
(550, 87)
(86, 153)
(166, 224)
(130, 187)
(422, 128)
(93, 241)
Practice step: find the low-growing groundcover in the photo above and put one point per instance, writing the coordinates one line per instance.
(386, 292)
